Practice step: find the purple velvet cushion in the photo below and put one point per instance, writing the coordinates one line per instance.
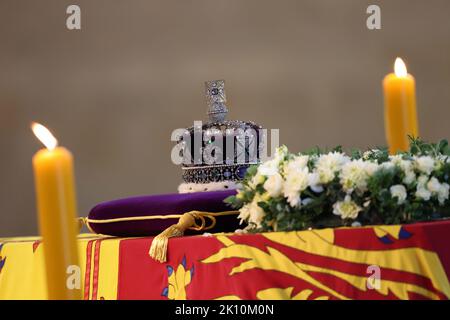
(164, 204)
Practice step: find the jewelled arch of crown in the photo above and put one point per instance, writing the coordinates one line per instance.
(218, 152)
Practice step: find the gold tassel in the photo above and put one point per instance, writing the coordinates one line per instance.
(158, 249)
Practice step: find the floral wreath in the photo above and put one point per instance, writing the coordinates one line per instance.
(318, 189)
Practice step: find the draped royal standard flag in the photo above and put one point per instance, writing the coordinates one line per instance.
(318, 264)
(375, 262)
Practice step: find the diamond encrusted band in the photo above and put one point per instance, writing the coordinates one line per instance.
(214, 173)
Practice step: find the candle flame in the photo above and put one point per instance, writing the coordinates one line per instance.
(44, 135)
(400, 68)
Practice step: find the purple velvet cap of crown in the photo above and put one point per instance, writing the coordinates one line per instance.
(164, 204)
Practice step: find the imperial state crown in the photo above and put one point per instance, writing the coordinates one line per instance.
(216, 154)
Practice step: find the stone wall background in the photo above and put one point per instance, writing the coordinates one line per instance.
(115, 90)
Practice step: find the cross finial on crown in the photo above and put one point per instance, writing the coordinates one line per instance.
(216, 98)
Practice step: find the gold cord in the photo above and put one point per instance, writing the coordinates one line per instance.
(188, 220)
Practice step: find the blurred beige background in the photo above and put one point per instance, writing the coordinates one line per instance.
(114, 91)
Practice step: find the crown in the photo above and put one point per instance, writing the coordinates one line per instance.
(217, 154)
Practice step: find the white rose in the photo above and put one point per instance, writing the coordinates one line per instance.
(423, 193)
(387, 165)
(422, 181)
(274, 185)
(371, 167)
(424, 164)
(396, 158)
(407, 168)
(434, 185)
(443, 193)
(347, 209)
(410, 177)
(398, 161)
(406, 165)
(398, 191)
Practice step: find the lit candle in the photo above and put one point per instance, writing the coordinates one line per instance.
(400, 112)
(56, 203)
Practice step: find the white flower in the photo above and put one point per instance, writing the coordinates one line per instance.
(328, 164)
(405, 165)
(438, 189)
(423, 193)
(398, 191)
(424, 164)
(371, 167)
(244, 213)
(422, 181)
(257, 213)
(443, 193)
(396, 159)
(399, 161)
(347, 209)
(387, 165)
(252, 212)
(314, 182)
(269, 167)
(410, 177)
(354, 174)
(434, 185)
(274, 185)
(295, 183)
(296, 164)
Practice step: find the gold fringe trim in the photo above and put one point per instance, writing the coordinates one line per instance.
(188, 220)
